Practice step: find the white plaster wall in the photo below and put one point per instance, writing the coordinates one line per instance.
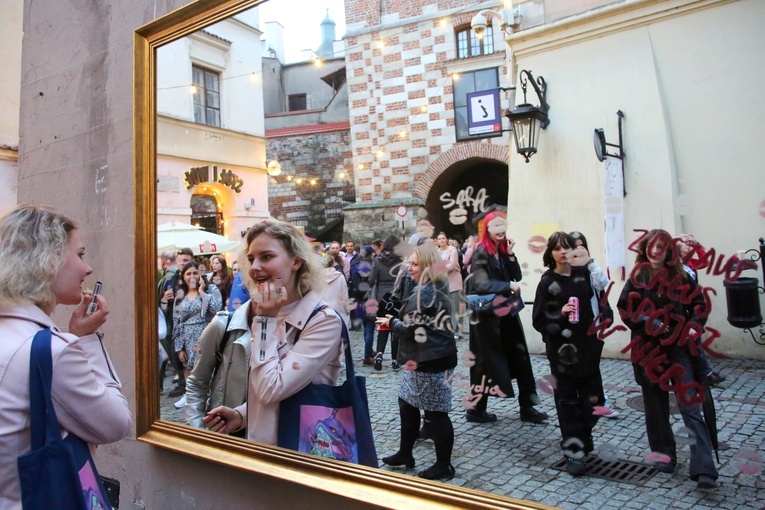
(693, 117)
(241, 77)
(9, 175)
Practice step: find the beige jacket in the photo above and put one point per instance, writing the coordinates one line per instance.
(85, 391)
(453, 273)
(287, 367)
(229, 387)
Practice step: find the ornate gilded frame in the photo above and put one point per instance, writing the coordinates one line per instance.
(347, 480)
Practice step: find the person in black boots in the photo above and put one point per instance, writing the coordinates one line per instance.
(498, 343)
(563, 314)
(428, 351)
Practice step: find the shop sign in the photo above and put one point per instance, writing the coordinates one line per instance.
(200, 174)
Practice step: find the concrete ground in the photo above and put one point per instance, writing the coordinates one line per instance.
(514, 458)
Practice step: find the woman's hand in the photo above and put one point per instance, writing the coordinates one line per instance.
(81, 324)
(268, 299)
(515, 287)
(579, 256)
(223, 419)
(568, 309)
(217, 279)
(384, 321)
(510, 245)
(183, 356)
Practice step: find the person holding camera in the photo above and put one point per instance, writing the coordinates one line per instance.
(196, 303)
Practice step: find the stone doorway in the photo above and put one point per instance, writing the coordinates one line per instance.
(463, 191)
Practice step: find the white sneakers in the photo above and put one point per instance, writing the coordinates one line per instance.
(181, 403)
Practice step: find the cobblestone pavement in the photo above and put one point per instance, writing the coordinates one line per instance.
(514, 458)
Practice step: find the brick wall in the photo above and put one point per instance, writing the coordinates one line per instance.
(322, 157)
(403, 84)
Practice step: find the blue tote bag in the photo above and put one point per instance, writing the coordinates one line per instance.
(330, 421)
(57, 473)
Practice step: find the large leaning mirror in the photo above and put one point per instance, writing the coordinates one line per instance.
(202, 166)
(211, 81)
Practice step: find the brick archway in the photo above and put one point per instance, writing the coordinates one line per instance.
(459, 153)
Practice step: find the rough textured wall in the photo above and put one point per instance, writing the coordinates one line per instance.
(77, 153)
(405, 85)
(292, 195)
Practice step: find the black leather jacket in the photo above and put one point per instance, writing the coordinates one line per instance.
(426, 308)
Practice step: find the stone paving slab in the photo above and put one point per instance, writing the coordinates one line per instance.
(514, 458)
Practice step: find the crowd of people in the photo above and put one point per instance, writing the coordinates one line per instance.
(231, 335)
(418, 296)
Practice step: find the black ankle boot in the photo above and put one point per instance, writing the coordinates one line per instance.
(399, 459)
(438, 472)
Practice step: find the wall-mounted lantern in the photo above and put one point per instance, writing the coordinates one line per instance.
(527, 120)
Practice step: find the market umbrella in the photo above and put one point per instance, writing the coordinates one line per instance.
(176, 235)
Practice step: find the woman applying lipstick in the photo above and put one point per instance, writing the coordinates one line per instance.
(45, 266)
(287, 282)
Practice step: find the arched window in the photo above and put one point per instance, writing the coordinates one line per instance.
(205, 213)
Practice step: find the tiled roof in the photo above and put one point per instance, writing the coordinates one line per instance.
(310, 129)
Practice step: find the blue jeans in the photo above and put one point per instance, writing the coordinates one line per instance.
(369, 336)
(660, 436)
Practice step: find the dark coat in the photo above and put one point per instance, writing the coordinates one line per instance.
(498, 343)
(385, 268)
(553, 292)
(634, 293)
(428, 308)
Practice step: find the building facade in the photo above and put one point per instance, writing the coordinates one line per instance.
(410, 67)
(307, 132)
(211, 154)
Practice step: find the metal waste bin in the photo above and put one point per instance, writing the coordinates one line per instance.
(743, 300)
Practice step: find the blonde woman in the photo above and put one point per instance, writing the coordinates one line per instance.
(286, 281)
(429, 352)
(44, 266)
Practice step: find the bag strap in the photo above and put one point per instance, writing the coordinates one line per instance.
(44, 425)
(349, 372)
(222, 347)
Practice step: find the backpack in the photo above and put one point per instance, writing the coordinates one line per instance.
(359, 287)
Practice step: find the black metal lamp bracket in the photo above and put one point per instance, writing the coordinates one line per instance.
(758, 256)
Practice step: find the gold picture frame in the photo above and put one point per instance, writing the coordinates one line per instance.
(346, 480)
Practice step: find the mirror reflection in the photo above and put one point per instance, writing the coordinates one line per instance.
(439, 294)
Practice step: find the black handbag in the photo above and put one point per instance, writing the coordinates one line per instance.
(389, 305)
(497, 304)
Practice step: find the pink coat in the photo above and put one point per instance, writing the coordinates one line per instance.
(85, 390)
(452, 259)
